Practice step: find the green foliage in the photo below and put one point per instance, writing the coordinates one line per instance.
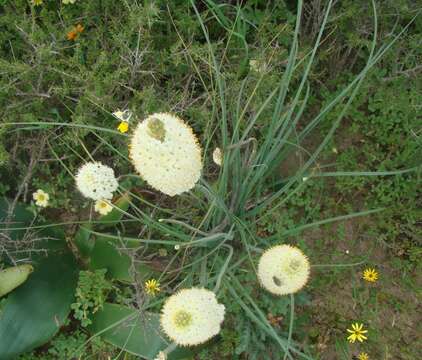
(36, 310)
(91, 294)
(155, 56)
(72, 345)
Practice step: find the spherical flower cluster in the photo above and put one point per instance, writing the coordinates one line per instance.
(96, 181)
(217, 156)
(192, 316)
(165, 152)
(283, 269)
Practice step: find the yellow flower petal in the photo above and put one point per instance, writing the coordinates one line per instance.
(123, 127)
(352, 338)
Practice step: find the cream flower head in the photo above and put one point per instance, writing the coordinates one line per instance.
(161, 356)
(103, 207)
(41, 198)
(165, 152)
(192, 316)
(217, 156)
(283, 269)
(96, 181)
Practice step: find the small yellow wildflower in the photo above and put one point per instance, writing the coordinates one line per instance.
(41, 198)
(73, 34)
(123, 127)
(79, 28)
(37, 2)
(357, 333)
(370, 275)
(363, 356)
(103, 207)
(66, 2)
(152, 287)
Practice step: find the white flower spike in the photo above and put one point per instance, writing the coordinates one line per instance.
(96, 181)
(283, 270)
(166, 153)
(217, 156)
(192, 316)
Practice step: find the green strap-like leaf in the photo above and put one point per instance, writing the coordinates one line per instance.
(135, 332)
(36, 310)
(14, 276)
(106, 255)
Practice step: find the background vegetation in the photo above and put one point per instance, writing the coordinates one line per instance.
(152, 56)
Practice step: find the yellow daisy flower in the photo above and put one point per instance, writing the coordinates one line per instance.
(363, 356)
(79, 28)
(123, 127)
(41, 198)
(72, 35)
(370, 275)
(357, 333)
(152, 287)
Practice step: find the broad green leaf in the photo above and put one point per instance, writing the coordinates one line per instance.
(36, 310)
(105, 255)
(19, 225)
(83, 240)
(18, 219)
(14, 276)
(135, 332)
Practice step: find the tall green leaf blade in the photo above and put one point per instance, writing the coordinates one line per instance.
(35, 311)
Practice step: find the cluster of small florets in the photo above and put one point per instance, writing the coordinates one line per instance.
(192, 316)
(283, 269)
(165, 152)
(96, 181)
